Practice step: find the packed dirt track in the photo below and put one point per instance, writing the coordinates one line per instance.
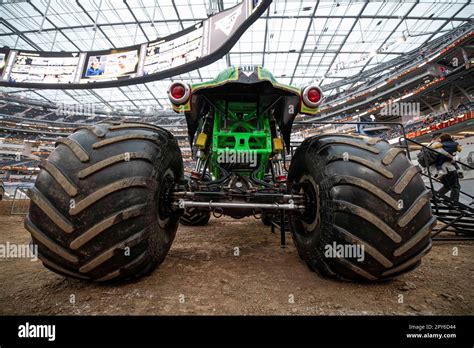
(236, 267)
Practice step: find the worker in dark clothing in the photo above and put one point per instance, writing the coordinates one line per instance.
(451, 183)
(448, 148)
(450, 177)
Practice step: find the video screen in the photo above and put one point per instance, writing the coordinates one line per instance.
(52, 67)
(110, 66)
(164, 55)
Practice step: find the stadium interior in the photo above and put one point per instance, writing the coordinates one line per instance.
(389, 78)
(363, 60)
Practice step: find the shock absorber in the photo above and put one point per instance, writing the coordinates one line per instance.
(201, 161)
(277, 167)
(201, 144)
(277, 144)
(277, 161)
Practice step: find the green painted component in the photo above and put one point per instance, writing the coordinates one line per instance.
(264, 74)
(240, 127)
(227, 75)
(232, 75)
(242, 135)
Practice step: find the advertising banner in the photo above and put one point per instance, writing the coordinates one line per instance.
(110, 65)
(43, 67)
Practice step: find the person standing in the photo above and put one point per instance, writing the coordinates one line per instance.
(449, 175)
(447, 149)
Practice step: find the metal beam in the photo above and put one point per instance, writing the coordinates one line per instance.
(54, 25)
(347, 36)
(316, 51)
(336, 52)
(450, 99)
(44, 16)
(91, 91)
(136, 20)
(71, 96)
(42, 96)
(20, 34)
(391, 33)
(182, 27)
(95, 24)
(463, 91)
(449, 19)
(304, 42)
(427, 104)
(154, 97)
(407, 58)
(265, 39)
(129, 99)
(193, 21)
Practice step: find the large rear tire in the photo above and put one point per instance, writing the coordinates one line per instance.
(268, 218)
(99, 208)
(363, 195)
(195, 217)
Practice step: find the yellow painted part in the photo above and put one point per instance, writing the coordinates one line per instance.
(277, 145)
(182, 107)
(201, 140)
(309, 111)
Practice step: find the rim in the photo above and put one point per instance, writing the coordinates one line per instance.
(310, 218)
(164, 196)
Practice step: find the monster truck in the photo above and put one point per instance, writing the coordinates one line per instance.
(108, 200)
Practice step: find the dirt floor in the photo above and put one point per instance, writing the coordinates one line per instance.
(20, 206)
(203, 275)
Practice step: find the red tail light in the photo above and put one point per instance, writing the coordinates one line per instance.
(312, 96)
(179, 93)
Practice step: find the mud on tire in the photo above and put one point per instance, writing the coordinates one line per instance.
(362, 192)
(99, 207)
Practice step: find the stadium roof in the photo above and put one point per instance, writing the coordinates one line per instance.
(299, 41)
